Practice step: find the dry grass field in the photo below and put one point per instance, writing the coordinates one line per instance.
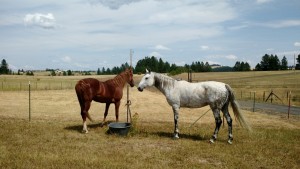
(53, 138)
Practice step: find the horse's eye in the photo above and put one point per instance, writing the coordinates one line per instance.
(146, 78)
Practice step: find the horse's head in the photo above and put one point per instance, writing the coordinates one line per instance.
(147, 80)
(130, 77)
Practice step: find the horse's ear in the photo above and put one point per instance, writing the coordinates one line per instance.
(147, 71)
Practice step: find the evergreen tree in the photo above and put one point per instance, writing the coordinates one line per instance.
(69, 72)
(167, 67)
(247, 67)
(264, 63)
(241, 66)
(103, 71)
(161, 66)
(207, 67)
(270, 62)
(274, 63)
(284, 63)
(298, 59)
(98, 71)
(237, 66)
(298, 63)
(258, 67)
(4, 67)
(108, 71)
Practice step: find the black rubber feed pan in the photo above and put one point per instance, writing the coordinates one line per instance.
(119, 128)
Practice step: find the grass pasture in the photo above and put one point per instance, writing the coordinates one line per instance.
(53, 138)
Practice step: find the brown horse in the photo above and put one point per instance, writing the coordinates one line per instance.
(110, 91)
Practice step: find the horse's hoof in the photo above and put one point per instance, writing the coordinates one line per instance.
(175, 137)
(212, 141)
(230, 140)
(85, 131)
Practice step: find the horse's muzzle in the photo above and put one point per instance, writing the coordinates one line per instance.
(140, 89)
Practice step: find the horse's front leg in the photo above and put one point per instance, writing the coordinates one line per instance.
(105, 113)
(176, 118)
(218, 124)
(117, 105)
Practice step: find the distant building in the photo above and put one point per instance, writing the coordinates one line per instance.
(213, 66)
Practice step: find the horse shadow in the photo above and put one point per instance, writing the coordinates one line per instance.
(195, 137)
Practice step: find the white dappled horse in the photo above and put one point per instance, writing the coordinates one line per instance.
(195, 95)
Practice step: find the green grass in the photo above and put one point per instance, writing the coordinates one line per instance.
(48, 144)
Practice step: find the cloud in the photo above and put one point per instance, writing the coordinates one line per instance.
(183, 12)
(297, 44)
(113, 4)
(204, 47)
(46, 21)
(155, 54)
(282, 24)
(161, 47)
(262, 1)
(230, 57)
(66, 59)
(212, 62)
(238, 27)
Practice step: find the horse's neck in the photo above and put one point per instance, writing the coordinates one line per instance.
(119, 81)
(164, 83)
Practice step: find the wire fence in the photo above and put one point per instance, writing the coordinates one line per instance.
(23, 86)
(243, 92)
(270, 96)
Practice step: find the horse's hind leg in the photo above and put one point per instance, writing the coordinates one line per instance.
(218, 120)
(84, 110)
(229, 122)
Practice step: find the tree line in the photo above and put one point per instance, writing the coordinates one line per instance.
(267, 63)
(272, 62)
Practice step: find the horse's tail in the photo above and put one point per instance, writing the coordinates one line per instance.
(80, 88)
(236, 109)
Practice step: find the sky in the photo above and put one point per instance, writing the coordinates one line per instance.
(91, 34)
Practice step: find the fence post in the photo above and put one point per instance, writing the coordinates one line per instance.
(29, 101)
(254, 101)
(289, 104)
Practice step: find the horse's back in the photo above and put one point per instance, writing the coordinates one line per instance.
(87, 85)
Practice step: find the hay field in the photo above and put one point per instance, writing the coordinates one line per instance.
(53, 138)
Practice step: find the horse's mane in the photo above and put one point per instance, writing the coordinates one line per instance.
(163, 81)
(120, 79)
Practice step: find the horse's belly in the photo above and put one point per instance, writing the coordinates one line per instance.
(192, 100)
(192, 103)
(105, 99)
